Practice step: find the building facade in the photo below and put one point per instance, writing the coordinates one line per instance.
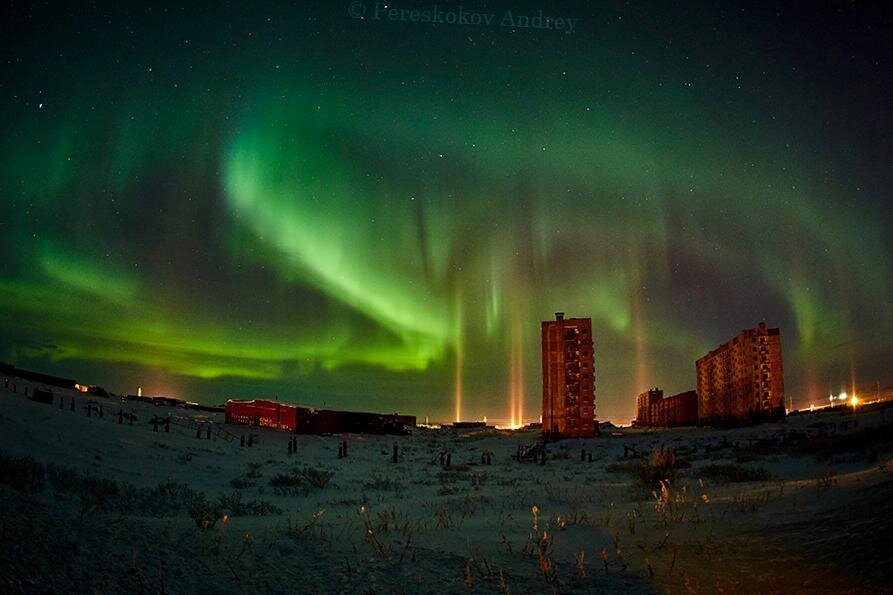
(568, 377)
(742, 380)
(653, 410)
(309, 420)
(647, 405)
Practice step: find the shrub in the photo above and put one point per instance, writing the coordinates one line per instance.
(96, 494)
(286, 480)
(240, 483)
(288, 483)
(22, 474)
(660, 466)
(561, 454)
(382, 483)
(628, 466)
(201, 511)
(235, 506)
(317, 478)
(253, 471)
(733, 473)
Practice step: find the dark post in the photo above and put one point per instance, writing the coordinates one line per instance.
(543, 461)
(26, 391)
(250, 439)
(120, 416)
(345, 447)
(395, 452)
(242, 442)
(167, 423)
(71, 405)
(290, 448)
(198, 432)
(208, 432)
(154, 423)
(340, 450)
(590, 457)
(449, 459)
(489, 458)
(89, 409)
(100, 411)
(582, 454)
(483, 458)
(61, 402)
(132, 415)
(442, 458)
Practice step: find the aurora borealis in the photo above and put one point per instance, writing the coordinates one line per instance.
(256, 199)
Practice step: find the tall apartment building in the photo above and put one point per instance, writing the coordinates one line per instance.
(646, 406)
(743, 379)
(568, 377)
(653, 410)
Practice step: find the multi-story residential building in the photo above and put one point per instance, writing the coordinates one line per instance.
(568, 377)
(743, 379)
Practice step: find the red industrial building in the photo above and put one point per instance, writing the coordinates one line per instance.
(653, 410)
(742, 380)
(309, 420)
(568, 377)
(262, 413)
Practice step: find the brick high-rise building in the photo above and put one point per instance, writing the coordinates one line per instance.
(568, 377)
(742, 379)
(646, 406)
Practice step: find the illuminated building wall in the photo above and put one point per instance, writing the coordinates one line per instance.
(653, 410)
(646, 406)
(309, 420)
(742, 379)
(568, 377)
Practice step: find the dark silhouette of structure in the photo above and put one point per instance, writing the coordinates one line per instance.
(47, 379)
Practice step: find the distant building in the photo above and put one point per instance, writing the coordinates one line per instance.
(309, 420)
(646, 407)
(653, 410)
(466, 425)
(742, 380)
(11, 370)
(568, 377)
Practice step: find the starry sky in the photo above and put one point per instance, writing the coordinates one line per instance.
(255, 199)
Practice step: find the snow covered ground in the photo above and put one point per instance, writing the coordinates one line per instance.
(91, 505)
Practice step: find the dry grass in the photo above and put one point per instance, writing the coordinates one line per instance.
(733, 473)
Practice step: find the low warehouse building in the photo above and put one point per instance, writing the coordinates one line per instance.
(309, 420)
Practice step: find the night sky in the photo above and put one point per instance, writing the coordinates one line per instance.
(252, 199)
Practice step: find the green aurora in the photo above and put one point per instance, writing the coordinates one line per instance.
(217, 203)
